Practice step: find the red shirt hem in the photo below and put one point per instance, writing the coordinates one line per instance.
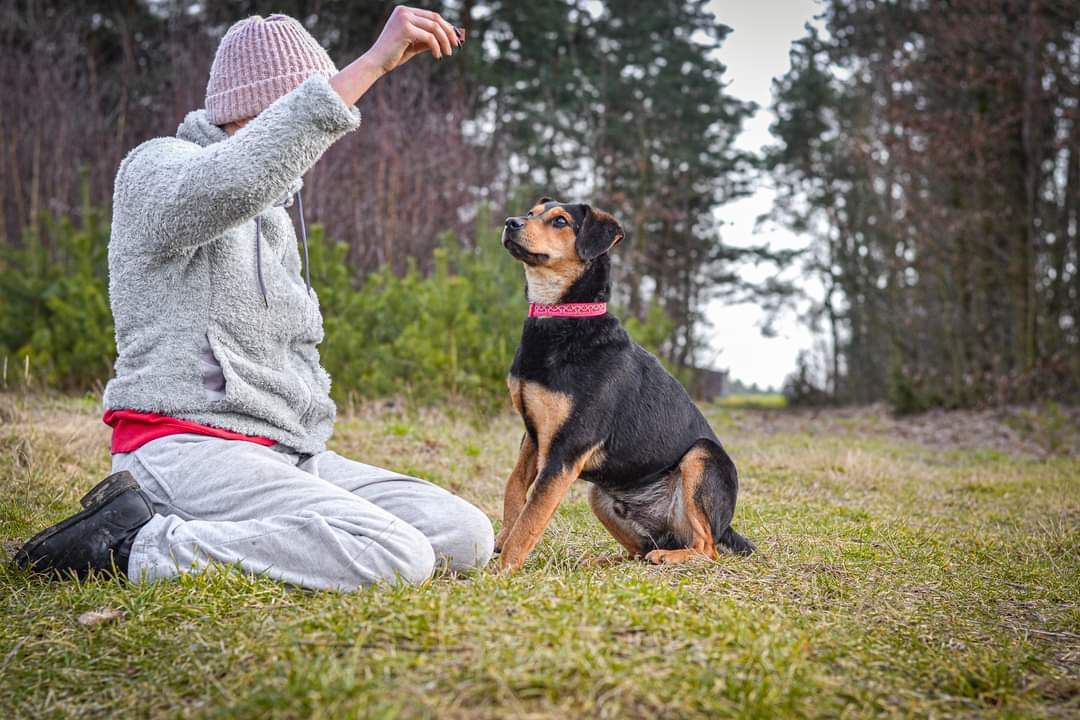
(133, 429)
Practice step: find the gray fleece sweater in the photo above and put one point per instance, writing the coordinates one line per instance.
(195, 338)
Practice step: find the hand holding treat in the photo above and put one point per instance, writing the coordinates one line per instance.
(408, 33)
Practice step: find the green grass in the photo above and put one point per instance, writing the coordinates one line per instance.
(892, 579)
(752, 400)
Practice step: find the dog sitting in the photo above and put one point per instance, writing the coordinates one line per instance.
(598, 406)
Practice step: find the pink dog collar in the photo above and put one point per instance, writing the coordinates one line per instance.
(568, 310)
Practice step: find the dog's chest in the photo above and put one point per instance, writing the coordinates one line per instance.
(544, 411)
(516, 393)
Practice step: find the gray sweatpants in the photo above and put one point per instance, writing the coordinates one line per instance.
(317, 521)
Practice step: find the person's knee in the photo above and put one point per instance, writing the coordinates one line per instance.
(412, 557)
(469, 541)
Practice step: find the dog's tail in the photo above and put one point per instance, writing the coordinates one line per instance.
(735, 542)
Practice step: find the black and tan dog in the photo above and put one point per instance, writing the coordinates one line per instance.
(598, 406)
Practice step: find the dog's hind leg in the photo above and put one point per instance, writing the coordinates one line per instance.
(703, 507)
(718, 492)
(517, 488)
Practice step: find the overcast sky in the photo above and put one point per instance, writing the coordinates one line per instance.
(755, 52)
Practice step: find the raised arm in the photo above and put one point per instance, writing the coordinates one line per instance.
(186, 195)
(189, 195)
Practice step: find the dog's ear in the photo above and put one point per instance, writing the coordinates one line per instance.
(544, 201)
(599, 233)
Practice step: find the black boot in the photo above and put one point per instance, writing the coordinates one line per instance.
(98, 538)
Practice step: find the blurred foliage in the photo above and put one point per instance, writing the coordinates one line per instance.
(55, 304)
(449, 335)
(802, 386)
(760, 401)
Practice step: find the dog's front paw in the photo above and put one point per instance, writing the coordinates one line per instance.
(500, 540)
(510, 563)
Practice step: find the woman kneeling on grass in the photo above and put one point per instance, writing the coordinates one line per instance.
(220, 409)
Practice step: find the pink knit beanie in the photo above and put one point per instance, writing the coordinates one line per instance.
(257, 62)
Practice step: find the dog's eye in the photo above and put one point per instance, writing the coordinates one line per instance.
(559, 222)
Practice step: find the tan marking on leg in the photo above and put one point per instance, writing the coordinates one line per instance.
(517, 488)
(692, 469)
(536, 515)
(614, 524)
(547, 411)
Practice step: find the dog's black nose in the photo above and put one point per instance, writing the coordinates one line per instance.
(512, 223)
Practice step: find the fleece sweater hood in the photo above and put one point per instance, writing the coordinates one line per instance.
(195, 219)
